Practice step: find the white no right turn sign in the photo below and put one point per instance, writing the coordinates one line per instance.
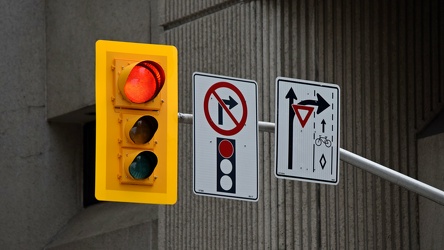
(225, 137)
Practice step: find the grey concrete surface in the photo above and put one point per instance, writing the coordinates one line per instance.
(40, 161)
(72, 28)
(431, 170)
(386, 56)
(110, 225)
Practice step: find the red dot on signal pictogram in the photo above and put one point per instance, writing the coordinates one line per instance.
(226, 148)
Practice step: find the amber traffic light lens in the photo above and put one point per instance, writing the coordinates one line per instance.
(143, 165)
(143, 130)
(144, 82)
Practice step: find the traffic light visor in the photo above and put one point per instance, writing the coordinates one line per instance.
(141, 82)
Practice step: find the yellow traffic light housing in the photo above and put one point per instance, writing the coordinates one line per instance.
(136, 122)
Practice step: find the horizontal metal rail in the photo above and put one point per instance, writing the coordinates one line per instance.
(263, 126)
(386, 173)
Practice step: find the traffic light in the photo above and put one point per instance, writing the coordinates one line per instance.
(136, 122)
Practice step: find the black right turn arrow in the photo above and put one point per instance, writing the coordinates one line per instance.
(321, 103)
(231, 103)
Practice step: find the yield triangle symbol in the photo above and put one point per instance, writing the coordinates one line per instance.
(302, 120)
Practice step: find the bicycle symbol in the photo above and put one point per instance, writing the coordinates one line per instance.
(323, 139)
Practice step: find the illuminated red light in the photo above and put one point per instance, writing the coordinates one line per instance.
(144, 82)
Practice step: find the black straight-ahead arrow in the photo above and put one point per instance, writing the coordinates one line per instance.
(291, 96)
(323, 125)
(231, 103)
(321, 103)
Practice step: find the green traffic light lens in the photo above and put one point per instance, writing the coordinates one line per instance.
(143, 165)
(143, 130)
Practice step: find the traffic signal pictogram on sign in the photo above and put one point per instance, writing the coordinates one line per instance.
(226, 165)
(136, 110)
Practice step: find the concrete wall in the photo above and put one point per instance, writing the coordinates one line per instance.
(431, 171)
(72, 28)
(47, 72)
(386, 56)
(40, 161)
(110, 226)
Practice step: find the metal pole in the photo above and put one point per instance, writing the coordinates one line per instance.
(405, 181)
(263, 126)
(391, 175)
(186, 118)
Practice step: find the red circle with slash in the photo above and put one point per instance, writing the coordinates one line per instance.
(238, 124)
